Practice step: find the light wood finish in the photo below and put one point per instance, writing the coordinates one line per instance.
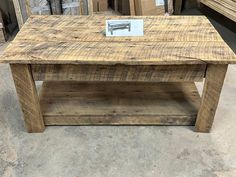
(100, 5)
(18, 13)
(28, 8)
(157, 29)
(167, 40)
(114, 103)
(90, 7)
(170, 7)
(28, 97)
(225, 7)
(81, 6)
(211, 93)
(132, 7)
(178, 7)
(177, 73)
(172, 49)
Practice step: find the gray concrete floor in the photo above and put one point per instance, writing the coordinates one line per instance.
(119, 151)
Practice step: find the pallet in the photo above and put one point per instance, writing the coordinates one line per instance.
(117, 103)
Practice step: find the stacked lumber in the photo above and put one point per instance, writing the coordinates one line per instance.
(225, 7)
(152, 7)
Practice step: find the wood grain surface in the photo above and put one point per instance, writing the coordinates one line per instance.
(80, 40)
(225, 7)
(19, 16)
(28, 97)
(160, 73)
(215, 76)
(116, 103)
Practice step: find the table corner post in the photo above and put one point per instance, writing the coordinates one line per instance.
(215, 75)
(28, 97)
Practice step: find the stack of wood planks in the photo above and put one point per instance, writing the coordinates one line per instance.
(225, 7)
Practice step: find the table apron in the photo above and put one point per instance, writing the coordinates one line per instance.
(129, 73)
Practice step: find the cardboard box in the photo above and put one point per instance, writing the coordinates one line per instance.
(100, 5)
(149, 7)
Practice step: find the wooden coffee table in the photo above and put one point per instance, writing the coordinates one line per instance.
(90, 79)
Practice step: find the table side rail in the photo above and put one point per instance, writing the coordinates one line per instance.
(158, 73)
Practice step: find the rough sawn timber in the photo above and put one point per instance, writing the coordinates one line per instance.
(214, 81)
(159, 73)
(28, 97)
(117, 103)
(167, 40)
(225, 7)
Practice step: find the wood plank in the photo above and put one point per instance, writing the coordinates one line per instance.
(43, 21)
(178, 7)
(56, 28)
(90, 7)
(28, 8)
(74, 103)
(176, 73)
(28, 97)
(100, 5)
(170, 7)
(18, 13)
(81, 8)
(225, 7)
(166, 33)
(167, 40)
(132, 7)
(211, 93)
(130, 53)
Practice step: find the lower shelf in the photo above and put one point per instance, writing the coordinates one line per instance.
(114, 103)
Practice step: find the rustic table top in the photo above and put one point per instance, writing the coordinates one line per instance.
(81, 40)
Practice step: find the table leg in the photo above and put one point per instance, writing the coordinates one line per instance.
(28, 97)
(214, 80)
(178, 7)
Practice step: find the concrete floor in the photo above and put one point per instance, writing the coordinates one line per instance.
(119, 151)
